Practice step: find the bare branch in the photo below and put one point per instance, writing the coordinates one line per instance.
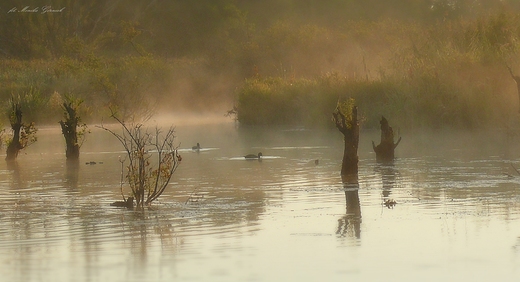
(147, 181)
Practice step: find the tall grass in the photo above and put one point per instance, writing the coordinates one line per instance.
(422, 102)
(450, 74)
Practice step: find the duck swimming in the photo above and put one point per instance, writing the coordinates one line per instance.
(196, 147)
(253, 157)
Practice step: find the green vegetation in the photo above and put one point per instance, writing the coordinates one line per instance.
(431, 63)
(421, 102)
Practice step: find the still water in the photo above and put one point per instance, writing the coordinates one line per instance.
(456, 214)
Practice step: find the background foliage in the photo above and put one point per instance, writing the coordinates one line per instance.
(421, 63)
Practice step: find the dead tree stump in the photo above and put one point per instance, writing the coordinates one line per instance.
(16, 124)
(349, 127)
(385, 149)
(69, 130)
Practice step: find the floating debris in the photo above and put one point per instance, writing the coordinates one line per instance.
(390, 203)
(129, 203)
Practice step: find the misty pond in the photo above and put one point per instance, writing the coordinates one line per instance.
(447, 210)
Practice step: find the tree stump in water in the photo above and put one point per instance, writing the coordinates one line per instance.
(349, 127)
(16, 124)
(69, 130)
(385, 149)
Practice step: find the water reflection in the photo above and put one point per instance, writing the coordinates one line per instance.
(71, 174)
(350, 224)
(119, 236)
(17, 182)
(388, 178)
(237, 218)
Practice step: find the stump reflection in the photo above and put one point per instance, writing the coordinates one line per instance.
(72, 173)
(388, 178)
(350, 224)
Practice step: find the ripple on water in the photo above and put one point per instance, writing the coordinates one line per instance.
(219, 208)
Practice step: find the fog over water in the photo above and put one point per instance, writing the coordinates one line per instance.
(442, 71)
(284, 218)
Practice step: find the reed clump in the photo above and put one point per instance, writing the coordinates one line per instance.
(426, 101)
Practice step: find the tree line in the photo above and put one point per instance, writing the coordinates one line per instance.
(147, 56)
(180, 28)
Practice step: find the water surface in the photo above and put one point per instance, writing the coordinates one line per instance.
(456, 213)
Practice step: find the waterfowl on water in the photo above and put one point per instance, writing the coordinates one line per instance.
(196, 147)
(253, 157)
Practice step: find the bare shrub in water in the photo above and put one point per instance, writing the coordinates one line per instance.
(152, 158)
